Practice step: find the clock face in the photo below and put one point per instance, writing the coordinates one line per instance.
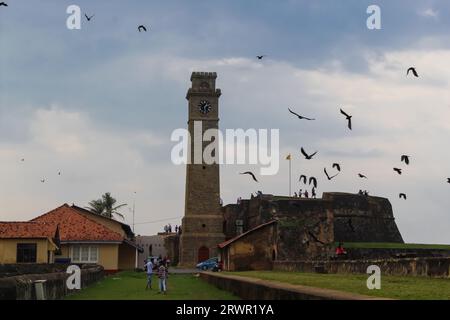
(204, 106)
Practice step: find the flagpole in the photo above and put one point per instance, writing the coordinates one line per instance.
(290, 184)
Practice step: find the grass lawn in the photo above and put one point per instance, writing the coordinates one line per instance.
(131, 286)
(405, 288)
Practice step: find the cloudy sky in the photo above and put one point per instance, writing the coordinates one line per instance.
(99, 104)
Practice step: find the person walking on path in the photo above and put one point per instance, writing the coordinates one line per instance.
(162, 275)
(149, 267)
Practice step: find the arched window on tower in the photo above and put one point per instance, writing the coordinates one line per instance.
(204, 85)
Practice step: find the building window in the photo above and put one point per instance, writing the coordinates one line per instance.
(204, 85)
(84, 254)
(26, 252)
(239, 227)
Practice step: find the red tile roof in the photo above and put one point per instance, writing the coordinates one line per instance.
(226, 243)
(124, 226)
(27, 230)
(73, 226)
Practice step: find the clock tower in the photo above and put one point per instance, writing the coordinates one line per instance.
(202, 224)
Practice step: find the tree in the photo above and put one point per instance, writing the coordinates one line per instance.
(106, 206)
(96, 206)
(110, 209)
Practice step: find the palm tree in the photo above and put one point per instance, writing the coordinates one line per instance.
(110, 209)
(96, 206)
(105, 206)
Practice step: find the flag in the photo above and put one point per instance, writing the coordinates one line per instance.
(288, 157)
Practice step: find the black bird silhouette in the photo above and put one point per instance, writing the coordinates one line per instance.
(398, 170)
(337, 166)
(362, 176)
(4, 4)
(348, 117)
(250, 173)
(328, 176)
(299, 116)
(260, 57)
(402, 195)
(448, 180)
(307, 156)
(302, 177)
(142, 28)
(43, 180)
(89, 18)
(313, 181)
(59, 173)
(405, 159)
(413, 70)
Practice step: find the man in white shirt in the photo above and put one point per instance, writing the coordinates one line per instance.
(149, 267)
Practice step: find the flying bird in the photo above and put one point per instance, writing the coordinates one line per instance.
(362, 176)
(43, 180)
(89, 18)
(349, 119)
(260, 57)
(299, 116)
(337, 166)
(302, 177)
(413, 70)
(402, 195)
(307, 156)
(142, 28)
(405, 159)
(250, 173)
(398, 170)
(328, 176)
(4, 4)
(313, 181)
(448, 180)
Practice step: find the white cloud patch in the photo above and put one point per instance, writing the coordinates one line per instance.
(92, 160)
(429, 13)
